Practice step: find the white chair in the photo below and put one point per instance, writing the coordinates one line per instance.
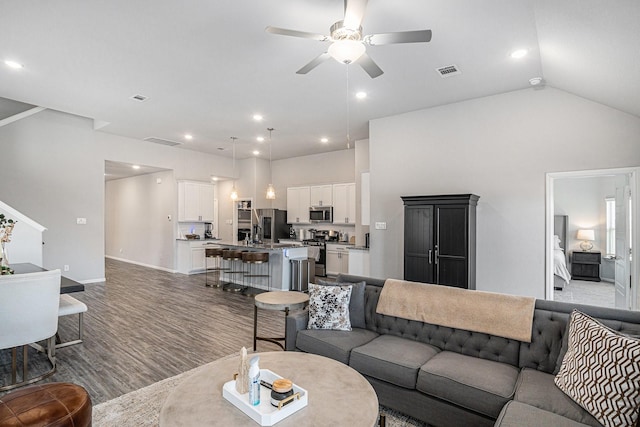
(29, 314)
(68, 306)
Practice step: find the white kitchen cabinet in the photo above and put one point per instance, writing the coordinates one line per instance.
(337, 259)
(365, 199)
(195, 201)
(344, 203)
(190, 255)
(359, 264)
(321, 195)
(298, 203)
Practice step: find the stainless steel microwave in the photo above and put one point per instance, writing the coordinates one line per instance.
(321, 214)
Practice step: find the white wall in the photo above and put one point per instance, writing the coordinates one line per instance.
(54, 172)
(583, 201)
(137, 228)
(499, 148)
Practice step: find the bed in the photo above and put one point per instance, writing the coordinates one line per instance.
(561, 276)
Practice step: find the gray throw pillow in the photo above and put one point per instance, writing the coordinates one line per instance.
(356, 305)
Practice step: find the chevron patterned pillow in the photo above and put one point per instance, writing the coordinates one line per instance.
(601, 371)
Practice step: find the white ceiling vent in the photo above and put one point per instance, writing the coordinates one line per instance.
(162, 141)
(139, 98)
(448, 71)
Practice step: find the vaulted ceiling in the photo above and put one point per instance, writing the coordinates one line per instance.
(206, 67)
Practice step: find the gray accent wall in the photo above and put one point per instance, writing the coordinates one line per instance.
(500, 148)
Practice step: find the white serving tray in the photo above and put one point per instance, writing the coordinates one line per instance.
(264, 414)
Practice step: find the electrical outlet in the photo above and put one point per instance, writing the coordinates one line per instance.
(81, 221)
(66, 267)
(381, 225)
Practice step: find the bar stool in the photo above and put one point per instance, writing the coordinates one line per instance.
(233, 268)
(216, 255)
(253, 262)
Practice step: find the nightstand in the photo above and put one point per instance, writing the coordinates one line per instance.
(586, 266)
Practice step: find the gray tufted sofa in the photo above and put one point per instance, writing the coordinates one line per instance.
(449, 377)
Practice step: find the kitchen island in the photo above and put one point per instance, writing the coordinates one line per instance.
(280, 256)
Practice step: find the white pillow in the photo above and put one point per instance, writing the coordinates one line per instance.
(556, 242)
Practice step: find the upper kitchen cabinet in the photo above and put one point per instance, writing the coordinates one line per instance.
(321, 195)
(344, 203)
(195, 201)
(298, 203)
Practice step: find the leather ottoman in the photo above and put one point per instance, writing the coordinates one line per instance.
(51, 405)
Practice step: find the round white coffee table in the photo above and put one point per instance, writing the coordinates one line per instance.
(280, 301)
(338, 395)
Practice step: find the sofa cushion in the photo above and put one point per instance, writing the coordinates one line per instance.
(392, 359)
(329, 307)
(356, 303)
(518, 414)
(601, 371)
(477, 384)
(536, 388)
(334, 344)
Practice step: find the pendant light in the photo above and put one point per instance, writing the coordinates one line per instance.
(271, 191)
(234, 192)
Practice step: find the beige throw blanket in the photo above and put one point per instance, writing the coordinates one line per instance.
(502, 315)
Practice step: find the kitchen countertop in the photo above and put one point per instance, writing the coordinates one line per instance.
(276, 246)
(199, 240)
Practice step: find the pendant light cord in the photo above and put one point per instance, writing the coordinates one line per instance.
(348, 112)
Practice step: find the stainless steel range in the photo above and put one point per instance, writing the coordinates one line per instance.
(321, 262)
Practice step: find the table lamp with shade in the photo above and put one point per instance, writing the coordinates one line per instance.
(587, 236)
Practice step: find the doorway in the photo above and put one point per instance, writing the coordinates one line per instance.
(614, 282)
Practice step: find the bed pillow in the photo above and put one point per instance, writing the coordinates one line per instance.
(356, 304)
(556, 242)
(601, 371)
(329, 307)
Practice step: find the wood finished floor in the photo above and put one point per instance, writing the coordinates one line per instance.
(144, 325)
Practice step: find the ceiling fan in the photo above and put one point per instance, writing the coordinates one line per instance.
(348, 44)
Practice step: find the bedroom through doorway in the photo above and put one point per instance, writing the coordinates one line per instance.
(591, 228)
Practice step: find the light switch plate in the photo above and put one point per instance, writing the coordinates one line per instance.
(81, 221)
(381, 225)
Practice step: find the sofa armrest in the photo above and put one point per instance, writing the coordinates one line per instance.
(295, 321)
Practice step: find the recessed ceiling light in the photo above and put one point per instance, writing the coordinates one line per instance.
(257, 117)
(361, 95)
(520, 53)
(256, 152)
(260, 138)
(325, 140)
(135, 167)
(214, 178)
(188, 137)
(13, 64)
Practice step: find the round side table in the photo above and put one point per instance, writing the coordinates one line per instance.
(280, 301)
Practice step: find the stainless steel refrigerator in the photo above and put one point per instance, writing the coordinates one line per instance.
(272, 225)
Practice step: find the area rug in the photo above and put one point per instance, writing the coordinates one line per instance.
(141, 408)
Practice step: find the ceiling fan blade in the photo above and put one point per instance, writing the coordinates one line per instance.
(354, 13)
(419, 36)
(294, 33)
(369, 66)
(314, 63)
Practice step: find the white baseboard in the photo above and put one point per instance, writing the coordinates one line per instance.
(607, 280)
(155, 267)
(89, 281)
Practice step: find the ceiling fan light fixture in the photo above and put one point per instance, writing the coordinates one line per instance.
(346, 51)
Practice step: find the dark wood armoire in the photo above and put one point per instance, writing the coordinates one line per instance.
(440, 239)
